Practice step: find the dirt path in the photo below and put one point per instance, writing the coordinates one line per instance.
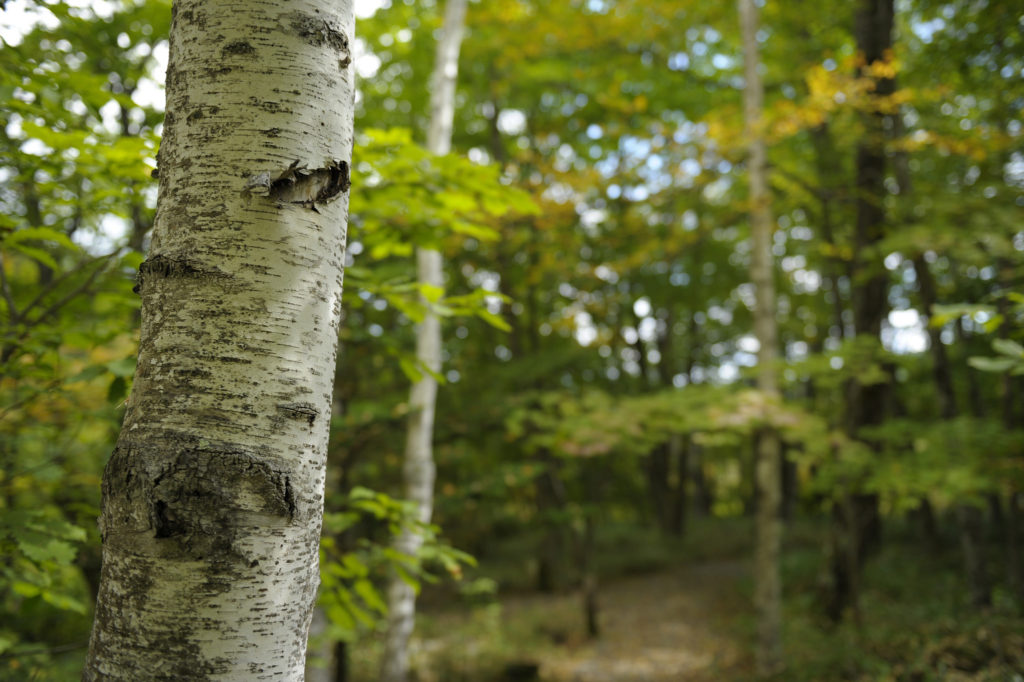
(677, 625)
(663, 626)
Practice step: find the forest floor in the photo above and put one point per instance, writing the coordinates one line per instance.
(656, 626)
(669, 625)
(683, 612)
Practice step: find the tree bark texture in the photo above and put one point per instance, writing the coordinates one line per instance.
(767, 581)
(419, 469)
(213, 496)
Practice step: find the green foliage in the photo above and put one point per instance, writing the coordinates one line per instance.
(350, 595)
(40, 551)
(1009, 353)
(950, 462)
(913, 625)
(1009, 358)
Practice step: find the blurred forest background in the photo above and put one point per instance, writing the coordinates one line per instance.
(598, 420)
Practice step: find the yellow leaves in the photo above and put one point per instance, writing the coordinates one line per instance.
(726, 128)
(851, 85)
(973, 147)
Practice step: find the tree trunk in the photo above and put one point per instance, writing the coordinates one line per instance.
(341, 662)
(703, 491)
(979, 589)
(866, 403)
(212, 499)
(767, 581)
(666, 483)
(657, 484)
(679, 450)
(419, 454)
(551, 503)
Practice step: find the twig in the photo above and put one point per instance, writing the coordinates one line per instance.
(31, 396)
(60, 280)
(10, 345)
(62, 649)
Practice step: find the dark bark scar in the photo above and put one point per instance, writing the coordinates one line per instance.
(299, 411)
(306, 187)
(169, 266)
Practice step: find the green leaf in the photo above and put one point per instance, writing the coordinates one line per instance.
(40, 233)
(38, 254)
(941, 314)
(368, 593)
(992, 364)
(50, 550)
(63, 601)
(495, 321)
(125, 367)
(117, 390)
(6, 642)
(24, 589)
(410, 369)
(1008, 347)
(431, 292)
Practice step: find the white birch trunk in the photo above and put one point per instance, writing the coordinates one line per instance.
(419, 455)
(767, 582)
(212, 499)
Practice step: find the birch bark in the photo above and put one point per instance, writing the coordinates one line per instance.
(213, 496)
(419, 456)
(767, 583)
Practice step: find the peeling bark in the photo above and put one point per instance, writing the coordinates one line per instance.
(213, 497)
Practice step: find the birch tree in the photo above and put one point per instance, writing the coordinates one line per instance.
(419, 467)
(213, 496)
(767, 584)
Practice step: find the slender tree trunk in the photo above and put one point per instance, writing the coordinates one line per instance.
(212, 499)
(703, 491)
(551, 502)
(679, 452)
(970, 520)
(419, 454)
(592, 498)
(341, 662)
(767, 582)
(657, 484)
(666, 483)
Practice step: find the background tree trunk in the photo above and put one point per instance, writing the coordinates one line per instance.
(212, 499)
(858, 519)
(768, 484)
(419, 455)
